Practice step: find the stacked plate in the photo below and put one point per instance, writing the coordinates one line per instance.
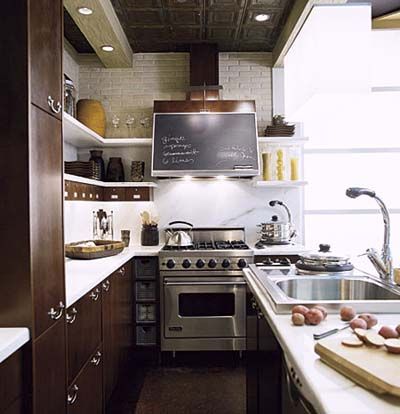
(87, 169)
(280, 130)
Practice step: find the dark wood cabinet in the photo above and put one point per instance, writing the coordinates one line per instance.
(46, 53)
(14, 386)
(47, 247)
(118, 314)
(85, 395)
(263, 376)
(83, 331)
(49, 371)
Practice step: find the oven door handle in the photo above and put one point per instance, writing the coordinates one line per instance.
(166, 283)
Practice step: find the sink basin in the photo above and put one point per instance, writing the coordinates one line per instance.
(364, 293)
(322, 289)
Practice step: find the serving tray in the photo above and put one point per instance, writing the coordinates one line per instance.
(103, 248)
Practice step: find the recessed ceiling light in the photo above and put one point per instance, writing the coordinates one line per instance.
(107, 48)
(86, 11)
(262, 17)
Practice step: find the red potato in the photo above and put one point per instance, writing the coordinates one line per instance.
(352, 341)
(314, 317)
(398, 329)
(393, 346)
(374, 339)
(361, 333)
(298, 319)
(371, 320)
(347, 313)
(300, 309)
(358, 324)
(388, 332)
(322, 309)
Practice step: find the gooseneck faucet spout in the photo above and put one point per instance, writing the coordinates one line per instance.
(382, 264)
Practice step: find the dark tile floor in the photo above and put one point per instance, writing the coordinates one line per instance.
(190, 384)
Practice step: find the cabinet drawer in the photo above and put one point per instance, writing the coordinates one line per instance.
(83, 331)
(146, 267)
(146, 335)
(114, 194)
(138, 194)
(145, 290)
(85, 395)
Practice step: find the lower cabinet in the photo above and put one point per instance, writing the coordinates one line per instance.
(85, 394)
(263, 364)
(117, 304)
(49, 371)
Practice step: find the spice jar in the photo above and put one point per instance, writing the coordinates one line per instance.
(69, 97)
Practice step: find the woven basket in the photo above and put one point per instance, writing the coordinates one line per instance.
(91, 113)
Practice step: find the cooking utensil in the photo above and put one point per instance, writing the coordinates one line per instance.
(276, 231)
(324, 261)
(177, 236)
(325, 334)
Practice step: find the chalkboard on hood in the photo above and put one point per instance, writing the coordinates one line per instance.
(205, 144)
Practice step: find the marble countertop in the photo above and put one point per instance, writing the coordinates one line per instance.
(83, 275)
(326, 389)
(280, 249)
(11, 339)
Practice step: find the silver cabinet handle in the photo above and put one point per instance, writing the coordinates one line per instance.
(71, 315)
(95, 294)
(106, 285)
(166, 283)
(122, 271)
(56, 313)
(73, 395)
(96, 358)
(57, 108)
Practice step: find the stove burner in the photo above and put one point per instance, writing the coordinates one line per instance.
(209, 245)
(282, 261)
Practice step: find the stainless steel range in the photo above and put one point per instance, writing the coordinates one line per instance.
(203, 293)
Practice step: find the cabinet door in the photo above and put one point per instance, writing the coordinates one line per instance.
(110, 354)
(46, 50)
(46, 203)
(85, 396)
(49, 371)
(83, 331)
(252, 360)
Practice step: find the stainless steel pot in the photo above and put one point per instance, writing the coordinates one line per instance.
(177, 236)
(324, 261)
(277, 231)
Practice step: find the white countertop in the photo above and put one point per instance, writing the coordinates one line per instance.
(11, 339)
(280, 249)
(83, 275)
(326, 389)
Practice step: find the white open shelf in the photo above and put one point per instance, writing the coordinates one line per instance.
(280, 184)
(283, 140)
(77, 179)
(80, 136)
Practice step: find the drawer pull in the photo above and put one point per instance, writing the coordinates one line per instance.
(57, 108)
(73, 395)
(96, 358)
(71, 316)
(122, 271)
(106, 286)
(95, 294)
(56, 313)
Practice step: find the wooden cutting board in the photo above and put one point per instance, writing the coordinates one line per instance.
(372, 368)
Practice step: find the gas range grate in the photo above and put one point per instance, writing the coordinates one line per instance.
(209, 245)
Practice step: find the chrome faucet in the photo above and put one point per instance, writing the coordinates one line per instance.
(383, 264)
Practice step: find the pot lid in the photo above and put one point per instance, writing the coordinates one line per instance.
(324, 255)
(274, 220)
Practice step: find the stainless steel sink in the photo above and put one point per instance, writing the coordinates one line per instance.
(364, 293)
(306, 289)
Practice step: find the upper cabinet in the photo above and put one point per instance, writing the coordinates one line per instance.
(46, 55)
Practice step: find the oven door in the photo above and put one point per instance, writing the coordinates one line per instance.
(204, 307)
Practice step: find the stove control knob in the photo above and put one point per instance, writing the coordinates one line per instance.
(186, 263)
(212, 263)
(241, 263)
(225, 263)
(200, 263)
(170, 264)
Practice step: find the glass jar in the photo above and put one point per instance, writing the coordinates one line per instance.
(69, 97)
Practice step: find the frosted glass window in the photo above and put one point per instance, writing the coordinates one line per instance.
(329, 175)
